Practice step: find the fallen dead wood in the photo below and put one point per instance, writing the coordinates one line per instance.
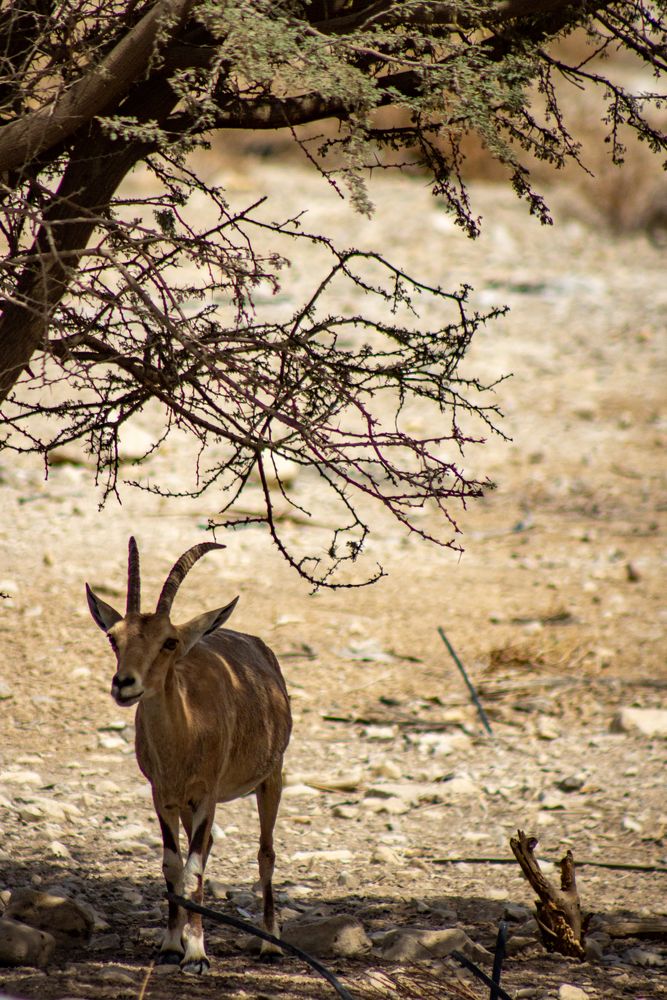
(558, 910)
(651, 927)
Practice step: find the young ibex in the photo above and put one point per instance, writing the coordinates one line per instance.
(212, 724)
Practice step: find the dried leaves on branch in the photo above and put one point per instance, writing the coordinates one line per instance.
(109, 304)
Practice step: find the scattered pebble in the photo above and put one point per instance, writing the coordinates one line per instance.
(567, 992)
(646, 721)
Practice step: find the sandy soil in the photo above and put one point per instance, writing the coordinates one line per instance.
(556, 607)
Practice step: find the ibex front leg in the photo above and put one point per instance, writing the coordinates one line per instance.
(198, 823)
(171, 949)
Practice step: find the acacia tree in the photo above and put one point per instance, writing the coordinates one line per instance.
(94, 302)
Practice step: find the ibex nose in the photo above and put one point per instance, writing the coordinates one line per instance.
(126, 690)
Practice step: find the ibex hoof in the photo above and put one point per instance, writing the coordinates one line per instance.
(170, 957)
(270, 954)
(196, 967)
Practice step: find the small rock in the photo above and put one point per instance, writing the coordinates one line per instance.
(461, 784)
(594, 950)
(380, 733)
(633, 825)
(129, 832)
(114, 976)
(386, 769)
(546, 728)
(516, 912)
(108, 742)
(277, 470)
(646, 721)
(20, 776)
(295, 790)
(440, 744)
(114, 726)
(132, 897)
(134, 444)
(41, 807)
(643, 957)
(242, 898)
(70, 922)
(340, 936)
(383, 855)
(412, 793)
(30, 814)
(345, 812)
(331, 856)
(572, 783)
(106, 942)
(24, 945)
(58, 850)
(165, 970)
(550, 800)
(567, 992)
(392, 806)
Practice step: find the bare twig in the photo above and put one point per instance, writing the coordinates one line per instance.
(480, 974)
(469, 684)
(498, 957)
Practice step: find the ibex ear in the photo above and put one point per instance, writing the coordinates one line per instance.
(202, 625)
(104, 615)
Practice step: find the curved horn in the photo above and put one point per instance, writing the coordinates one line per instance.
(178, 572)
(133, 578)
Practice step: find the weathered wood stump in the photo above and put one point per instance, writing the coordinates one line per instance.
(559, 915)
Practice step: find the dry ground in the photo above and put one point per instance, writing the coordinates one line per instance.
(556, 606)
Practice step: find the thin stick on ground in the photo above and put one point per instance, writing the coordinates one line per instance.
(473, 693)
(224, 918)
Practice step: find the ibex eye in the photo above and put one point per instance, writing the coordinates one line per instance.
(170, 644)
(113, 643)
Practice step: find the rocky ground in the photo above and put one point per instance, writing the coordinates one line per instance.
(393, 786)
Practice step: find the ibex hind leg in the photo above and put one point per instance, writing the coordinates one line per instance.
(268, 801)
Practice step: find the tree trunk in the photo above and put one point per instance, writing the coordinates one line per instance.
(96, 167)
(84, 192)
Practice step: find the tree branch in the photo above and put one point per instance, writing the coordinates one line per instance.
(26, 138)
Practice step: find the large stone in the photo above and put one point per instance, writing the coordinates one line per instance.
(417, 944)
(340, 936)
(24, 945)
(646, 721)
(69, 921)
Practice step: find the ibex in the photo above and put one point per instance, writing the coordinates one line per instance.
(212, 724)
